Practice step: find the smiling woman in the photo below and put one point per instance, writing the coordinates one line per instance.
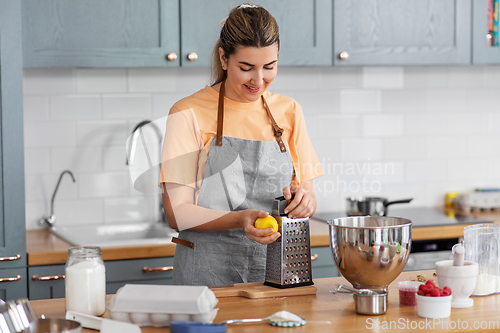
(229, 150)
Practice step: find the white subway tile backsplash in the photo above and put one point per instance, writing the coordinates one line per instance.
(126, 106)
(467, 169)
(318, 102)
(447, 100)
(332, 78)
(152, 80)
(428, 129)
(468, 122)
(494, 169)
(449, 146)
(101, 80)
(404, 101)
(49, 134)
(426, 171)
(360, 101)
(102, 133)
(422, 125)
(361, 149)
(86, 159)
(425, 77)
(483, 145)
(36, 161)
(383, 77)
(383, 125)
(494, 122)
(48, 81)
(75, 107)
(138, 209)
(36, 107)
(79, 212)
(404, 148)
(339, 126)
(104, 184)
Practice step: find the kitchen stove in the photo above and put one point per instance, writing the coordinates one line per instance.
(425, 253)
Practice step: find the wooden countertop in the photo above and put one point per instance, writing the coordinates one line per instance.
(43, 248)
(328, 312)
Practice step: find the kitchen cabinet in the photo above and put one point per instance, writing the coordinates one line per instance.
(12, 221)
(482, 53)
(47, 282)
(160, 33)
(395, 32)
(96, 33)
(323, 264)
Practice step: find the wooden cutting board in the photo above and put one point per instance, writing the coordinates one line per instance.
(259, 290)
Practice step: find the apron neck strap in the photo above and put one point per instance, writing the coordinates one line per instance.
(278, 131)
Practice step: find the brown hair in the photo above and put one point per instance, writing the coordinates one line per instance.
(246, 25)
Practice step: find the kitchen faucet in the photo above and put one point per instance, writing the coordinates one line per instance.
(50, 220)
(133, 147)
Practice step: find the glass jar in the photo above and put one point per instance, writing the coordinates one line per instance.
(85, 280)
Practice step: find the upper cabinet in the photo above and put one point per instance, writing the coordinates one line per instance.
(159, 33)
(96, 33)
(395, 32)
(305, 30)
(482, 51)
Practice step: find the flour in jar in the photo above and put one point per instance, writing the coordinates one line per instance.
(86, 287)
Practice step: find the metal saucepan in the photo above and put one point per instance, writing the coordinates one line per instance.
(372, 206)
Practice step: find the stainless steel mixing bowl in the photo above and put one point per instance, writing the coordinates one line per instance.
(370, 251)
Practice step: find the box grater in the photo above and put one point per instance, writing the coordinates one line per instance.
(289, 257)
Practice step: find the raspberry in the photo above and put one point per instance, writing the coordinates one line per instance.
(447, 289)
(436, 292)
(421, 287)
(421, 293)
(446, 292)
(430, 282)
(427, 288)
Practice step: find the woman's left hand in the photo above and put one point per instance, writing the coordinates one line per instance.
(304, 201)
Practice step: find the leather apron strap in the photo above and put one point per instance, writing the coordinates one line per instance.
(278, 131)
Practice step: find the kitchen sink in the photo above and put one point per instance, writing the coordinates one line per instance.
(115, 235)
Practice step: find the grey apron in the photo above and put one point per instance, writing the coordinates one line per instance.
(240, 174)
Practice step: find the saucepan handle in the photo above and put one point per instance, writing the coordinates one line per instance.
(397, 202)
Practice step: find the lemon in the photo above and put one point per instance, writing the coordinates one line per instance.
(267, 222)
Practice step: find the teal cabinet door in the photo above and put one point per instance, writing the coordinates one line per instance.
(305, 30)
(13, 284)
(46, 282)
(96, 33)
(397, 32)
(12, 218)
(322, 263)
(482, 51)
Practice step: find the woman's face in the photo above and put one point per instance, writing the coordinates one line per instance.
(250, 71)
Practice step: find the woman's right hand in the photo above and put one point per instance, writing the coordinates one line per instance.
(247, 219)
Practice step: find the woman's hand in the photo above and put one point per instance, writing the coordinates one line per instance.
(304, 201)
(247, 219)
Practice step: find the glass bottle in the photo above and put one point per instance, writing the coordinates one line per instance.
(85, 280)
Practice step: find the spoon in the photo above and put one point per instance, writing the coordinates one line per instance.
(281, 316)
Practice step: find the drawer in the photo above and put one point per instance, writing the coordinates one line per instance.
(13, 283)
(46, 282)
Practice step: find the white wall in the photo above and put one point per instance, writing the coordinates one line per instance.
(389, 131)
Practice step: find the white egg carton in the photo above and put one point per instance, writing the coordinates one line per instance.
(477, 201)
(158, 305)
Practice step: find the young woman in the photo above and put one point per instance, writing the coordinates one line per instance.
(230, 149)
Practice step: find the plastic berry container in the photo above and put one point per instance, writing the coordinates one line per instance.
(408, 292)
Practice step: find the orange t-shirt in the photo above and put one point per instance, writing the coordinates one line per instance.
(192, 125)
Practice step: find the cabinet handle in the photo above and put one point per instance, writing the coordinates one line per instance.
(17, 278)
(314, 257)
(158, 269)
(171, 56)
(192, 56)
(344, 55)
(48, 278)
(10, 258)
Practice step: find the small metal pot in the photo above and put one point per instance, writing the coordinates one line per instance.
(55, 325)
(372, 206)
(367, 301)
